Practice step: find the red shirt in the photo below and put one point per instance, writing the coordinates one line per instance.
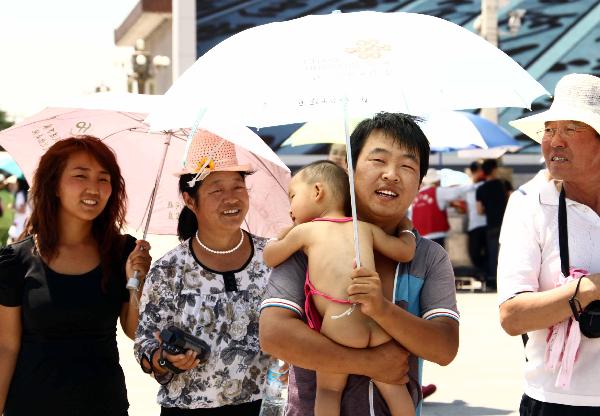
(426, 214)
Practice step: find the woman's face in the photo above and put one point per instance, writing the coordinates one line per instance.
(337, 155)
(84, 187)
(222, 201)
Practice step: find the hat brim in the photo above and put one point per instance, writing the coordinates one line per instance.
(234, 168)
(532, 124)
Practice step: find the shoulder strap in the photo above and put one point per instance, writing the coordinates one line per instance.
(563, 236)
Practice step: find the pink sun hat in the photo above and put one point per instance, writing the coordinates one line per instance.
(211, 153)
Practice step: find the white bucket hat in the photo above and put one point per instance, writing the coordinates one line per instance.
(431, 177)
(577, 98)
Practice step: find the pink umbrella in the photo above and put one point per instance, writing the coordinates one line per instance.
(143, 155)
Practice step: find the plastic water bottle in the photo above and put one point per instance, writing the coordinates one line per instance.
(275, 395)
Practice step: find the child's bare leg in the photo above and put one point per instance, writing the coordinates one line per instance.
(397, 399)
(330, 387)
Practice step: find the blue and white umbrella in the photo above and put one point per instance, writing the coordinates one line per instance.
(456, 130)
(446, 131)
(8, 164)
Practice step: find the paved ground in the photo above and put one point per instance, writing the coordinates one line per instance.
(484, 379)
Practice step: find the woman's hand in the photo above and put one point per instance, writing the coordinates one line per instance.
(183, 362)
(139, 260)
(366, 290)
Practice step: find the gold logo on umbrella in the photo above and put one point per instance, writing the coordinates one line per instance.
(369, 49)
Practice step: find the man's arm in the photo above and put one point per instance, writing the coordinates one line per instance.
(539, 310)
(446, 194)
(434, 340)
(480, 208)
(523, 307)
(284, 335)
(479, 197)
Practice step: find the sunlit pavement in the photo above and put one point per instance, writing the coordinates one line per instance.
(484, 379)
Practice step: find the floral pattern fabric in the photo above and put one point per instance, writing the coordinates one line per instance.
(180, 291)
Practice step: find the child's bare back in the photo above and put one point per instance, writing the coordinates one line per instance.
(330, 251)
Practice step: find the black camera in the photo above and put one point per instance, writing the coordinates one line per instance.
(589, 320)
(177, 341)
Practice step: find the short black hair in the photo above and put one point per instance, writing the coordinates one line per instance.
(489, 165)
(331, 174)
(475, 166)
(402, 128)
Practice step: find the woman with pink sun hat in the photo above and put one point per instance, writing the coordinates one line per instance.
(210, 286)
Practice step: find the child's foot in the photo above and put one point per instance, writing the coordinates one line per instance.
(428, 390)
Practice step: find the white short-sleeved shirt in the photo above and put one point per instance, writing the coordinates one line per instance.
(529, 261)
(475, 219)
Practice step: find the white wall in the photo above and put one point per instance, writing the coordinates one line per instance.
(160, 43)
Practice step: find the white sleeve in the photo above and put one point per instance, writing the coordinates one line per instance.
(520, 254)
(19, 200)
(449, 193)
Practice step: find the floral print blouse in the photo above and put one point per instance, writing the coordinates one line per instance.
(180, 291)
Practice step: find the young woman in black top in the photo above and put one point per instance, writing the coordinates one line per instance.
(62, 288)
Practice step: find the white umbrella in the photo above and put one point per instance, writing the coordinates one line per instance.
(303, 69)
(316, 66)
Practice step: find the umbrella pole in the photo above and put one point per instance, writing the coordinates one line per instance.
(133, 282)
(351, 309)
(351, 179)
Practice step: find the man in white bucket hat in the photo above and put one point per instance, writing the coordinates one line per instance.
(549, 264)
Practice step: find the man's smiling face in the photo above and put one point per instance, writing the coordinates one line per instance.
(386, 180)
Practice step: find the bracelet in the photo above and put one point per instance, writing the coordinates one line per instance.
(574, 303)
(148, 357)
(409, 232)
